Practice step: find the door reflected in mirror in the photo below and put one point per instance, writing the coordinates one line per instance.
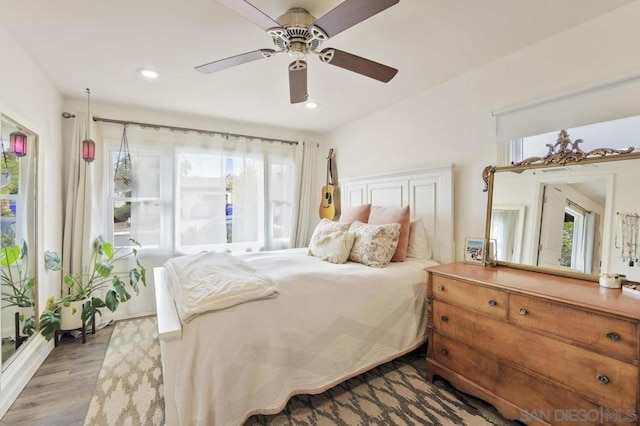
(18, 319)
(571, 226)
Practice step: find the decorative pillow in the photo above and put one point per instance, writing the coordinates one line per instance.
(331, 241)
(381, 215)
(359, 213)
(418, 242)
(375, 244)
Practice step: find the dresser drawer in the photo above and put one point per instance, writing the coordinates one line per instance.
(481, 299)
(610, 335)
(553, 404)
(608, 381)
(463, 360)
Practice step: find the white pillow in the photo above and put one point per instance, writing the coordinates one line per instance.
(331, 241)
(418, 241)
(375, 244)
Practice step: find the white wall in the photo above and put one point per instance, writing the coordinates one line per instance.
(452, 123)
(30, 97)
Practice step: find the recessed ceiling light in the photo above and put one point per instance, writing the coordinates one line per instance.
(311, 104)
(147, 73)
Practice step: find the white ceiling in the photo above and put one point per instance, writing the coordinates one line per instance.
(99, 44)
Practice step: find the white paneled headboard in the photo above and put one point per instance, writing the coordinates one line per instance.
(427, 192)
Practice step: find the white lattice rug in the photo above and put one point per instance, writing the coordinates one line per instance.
(129, 389)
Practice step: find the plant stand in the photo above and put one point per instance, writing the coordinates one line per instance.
(82, 329)
(19, 339)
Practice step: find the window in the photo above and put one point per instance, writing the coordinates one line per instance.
(618, 134)
(203, 193)
(136, 208)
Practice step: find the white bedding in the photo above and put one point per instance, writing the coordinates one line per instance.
(210, 281)
(330, 322)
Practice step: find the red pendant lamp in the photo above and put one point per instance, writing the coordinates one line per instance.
(18, 143)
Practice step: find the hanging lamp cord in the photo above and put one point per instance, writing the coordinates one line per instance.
(86, 131)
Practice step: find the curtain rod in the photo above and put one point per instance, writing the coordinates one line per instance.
(184, 129)
(187, 129)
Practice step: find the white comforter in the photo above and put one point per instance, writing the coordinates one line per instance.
(210, 281)
(329, 323)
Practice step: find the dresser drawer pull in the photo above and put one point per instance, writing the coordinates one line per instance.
(492, 302)
(613, 336)
(440, 288)
(444, 352)
(602, 379)
(522, 311)
(444, 318)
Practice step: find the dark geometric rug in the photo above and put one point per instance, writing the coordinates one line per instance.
(395, 393)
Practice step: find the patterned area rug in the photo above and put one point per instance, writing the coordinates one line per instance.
(129, 392)
(129, 388)
(395, 393)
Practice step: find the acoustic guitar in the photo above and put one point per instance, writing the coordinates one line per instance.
(327, 204)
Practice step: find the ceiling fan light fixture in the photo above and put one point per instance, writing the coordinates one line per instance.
(297, 55)
(311, 104)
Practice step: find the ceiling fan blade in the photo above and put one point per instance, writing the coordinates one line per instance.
(250, 12)
(349, 13)
(235, 60)
(357, 64)
(298, 82)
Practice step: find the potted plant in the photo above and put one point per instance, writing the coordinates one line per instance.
(95, 288)
(17, 286)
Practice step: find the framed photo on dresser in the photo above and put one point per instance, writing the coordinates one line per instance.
(473, 250)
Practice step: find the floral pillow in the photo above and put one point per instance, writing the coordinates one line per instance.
(381, 215)
(374, 244)
(331, 241)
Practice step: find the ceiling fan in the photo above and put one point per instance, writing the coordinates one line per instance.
(298, 33)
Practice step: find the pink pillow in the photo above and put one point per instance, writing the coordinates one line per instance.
(381, 215)
(359, 213)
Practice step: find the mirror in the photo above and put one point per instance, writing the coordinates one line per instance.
(563, 212)
(18, 319)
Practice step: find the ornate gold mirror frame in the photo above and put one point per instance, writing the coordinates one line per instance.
(563, 153)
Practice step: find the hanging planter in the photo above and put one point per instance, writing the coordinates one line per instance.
(123, 176)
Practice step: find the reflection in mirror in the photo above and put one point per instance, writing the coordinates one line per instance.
(571, 226)
(568, 203)
(507, 224)
(17, 236)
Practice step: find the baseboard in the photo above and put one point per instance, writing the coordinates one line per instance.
(17, 374)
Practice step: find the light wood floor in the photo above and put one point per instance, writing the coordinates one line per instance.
(60, 391)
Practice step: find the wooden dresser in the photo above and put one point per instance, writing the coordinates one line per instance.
(540, 348)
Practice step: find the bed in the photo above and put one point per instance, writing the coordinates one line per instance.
(329, 322)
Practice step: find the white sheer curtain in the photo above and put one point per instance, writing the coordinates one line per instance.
(233, 194)
(306, 190)
(83, 202)
(248, 223)
(503, 230)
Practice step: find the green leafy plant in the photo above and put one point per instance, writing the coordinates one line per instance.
(18, 289)
(100, 286)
